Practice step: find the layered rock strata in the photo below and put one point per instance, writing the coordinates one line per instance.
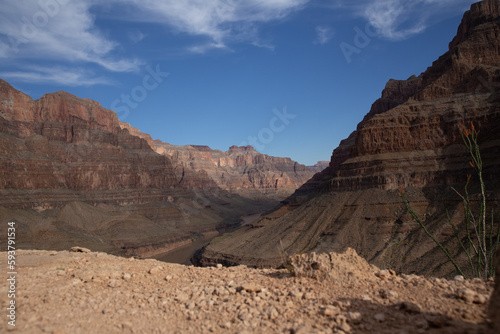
(71, 172)
(240, 170)
(410, 139)
(319, 166)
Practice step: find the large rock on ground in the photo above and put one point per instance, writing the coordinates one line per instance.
(341, 268)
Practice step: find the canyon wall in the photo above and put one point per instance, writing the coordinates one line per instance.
(72, 173)
(319, 166)
(240, 170)
(76, 148)
(411, 140)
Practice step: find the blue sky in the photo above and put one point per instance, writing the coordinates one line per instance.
(291, 77)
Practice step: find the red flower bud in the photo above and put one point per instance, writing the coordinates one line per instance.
(401, 191)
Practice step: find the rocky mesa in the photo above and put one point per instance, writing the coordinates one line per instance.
(410, 139)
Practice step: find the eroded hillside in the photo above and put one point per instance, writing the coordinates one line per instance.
(410, 139)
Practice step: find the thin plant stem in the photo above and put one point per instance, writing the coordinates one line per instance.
(468, 217)
(481, 243)
(417, 219)
(455, 232)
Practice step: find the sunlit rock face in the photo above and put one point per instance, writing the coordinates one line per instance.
(240, 170)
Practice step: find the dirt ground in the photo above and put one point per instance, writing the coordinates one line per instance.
(74, 292)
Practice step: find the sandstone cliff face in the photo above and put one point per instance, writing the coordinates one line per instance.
(66, 143)
(137, 133)
(319, 166)
(240, 170)
(72, 173)
(411, 139)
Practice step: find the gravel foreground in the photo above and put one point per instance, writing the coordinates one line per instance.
(70, 292)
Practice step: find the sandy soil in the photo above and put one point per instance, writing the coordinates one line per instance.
(69, 292)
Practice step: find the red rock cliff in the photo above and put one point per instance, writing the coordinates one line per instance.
(411, 139)
(73, 144)
(72, 173)
(240, 170)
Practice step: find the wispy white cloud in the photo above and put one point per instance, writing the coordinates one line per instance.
(136, 36)
(323, 35)
(262, 44)
(387, 17)
(56, 75)
(202, 48)
(399, 19)
(4, 47)
(221, 21)
(64, 31)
